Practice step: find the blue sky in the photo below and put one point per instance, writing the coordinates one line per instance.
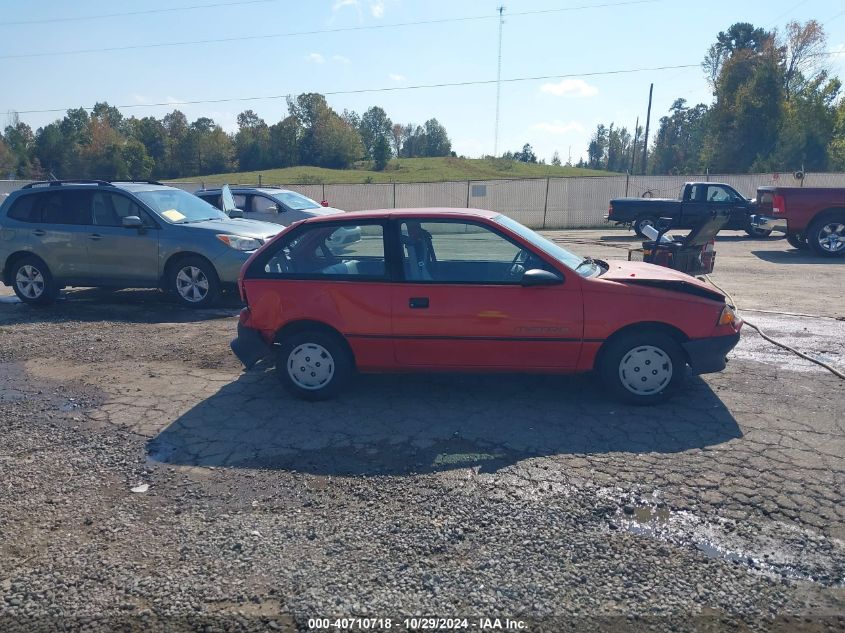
(552, 114)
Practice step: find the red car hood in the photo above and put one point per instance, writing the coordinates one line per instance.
(659, 277)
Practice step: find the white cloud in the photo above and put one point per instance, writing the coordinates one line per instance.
(574, 87)
(340, 59)
(558, 127)
(397, 77)
(315, 58)
(377, 8)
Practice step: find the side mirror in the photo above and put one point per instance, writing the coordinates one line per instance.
(235, 213)
(324, 203)
(132, 222)
(538, 277)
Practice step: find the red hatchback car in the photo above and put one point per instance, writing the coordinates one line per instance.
(471, 291)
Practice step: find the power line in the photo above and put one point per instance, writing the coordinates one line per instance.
(480, 82)
(128, 13)
(347, 29)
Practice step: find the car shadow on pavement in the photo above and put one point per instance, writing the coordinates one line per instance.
(127, 306)
(794, 256)
(401, 424)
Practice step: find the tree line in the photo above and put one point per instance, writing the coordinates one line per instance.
(775, 108)
(104, 144)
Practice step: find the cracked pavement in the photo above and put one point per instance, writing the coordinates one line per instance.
(500, 496)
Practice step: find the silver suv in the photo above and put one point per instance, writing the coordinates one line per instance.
(122, 235)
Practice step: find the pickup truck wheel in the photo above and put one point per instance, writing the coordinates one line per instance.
(639, 223)
(644, 367)
(32, 281)
(797, 240)
(313, 365)
(755, 232)
(826, 236)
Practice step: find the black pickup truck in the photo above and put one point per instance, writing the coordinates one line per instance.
(697, 199)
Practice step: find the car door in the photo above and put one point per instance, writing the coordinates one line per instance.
(695, 207)
(461, 304)
(63, 233)
(724, 199)
(119, 254)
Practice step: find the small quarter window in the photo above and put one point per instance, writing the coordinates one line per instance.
(25, 210)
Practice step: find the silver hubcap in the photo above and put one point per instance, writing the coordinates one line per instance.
(310, 366)
(30, 281)
(192, 284)
(832, 237)
(645, 370)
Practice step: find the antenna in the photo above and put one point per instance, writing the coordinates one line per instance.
(501, 10)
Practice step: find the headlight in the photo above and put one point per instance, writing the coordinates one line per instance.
(728, 316)
(239, 242)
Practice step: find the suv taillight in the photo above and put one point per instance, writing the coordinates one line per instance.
(778, 204)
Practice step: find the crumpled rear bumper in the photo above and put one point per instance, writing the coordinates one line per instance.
(709, 355)
(249, 346)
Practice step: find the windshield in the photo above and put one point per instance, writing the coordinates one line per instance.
(295, 201)
(584, 266)
(180, 207)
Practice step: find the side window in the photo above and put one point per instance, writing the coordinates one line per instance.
(333, 250)
(240, 201)
(109, 209)
(696, 193)
(25, 210)
(67, 207)
(260, 204)
(213, 200)
(462, 252)
(718, 194)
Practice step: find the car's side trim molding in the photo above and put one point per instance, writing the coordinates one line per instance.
(518, 339)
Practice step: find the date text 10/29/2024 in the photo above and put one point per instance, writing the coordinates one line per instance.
(416, 624)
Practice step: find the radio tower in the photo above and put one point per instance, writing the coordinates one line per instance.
(501, 10)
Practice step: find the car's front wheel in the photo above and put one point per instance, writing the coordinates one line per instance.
(32, 281)
(194, 282)
(643, 367)
(753, 231)
(313, 365)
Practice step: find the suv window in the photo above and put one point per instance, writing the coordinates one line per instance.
(25, 210)
(109, 209)
(260, 204)
(462, 252)
(329, 249)
(66, 207)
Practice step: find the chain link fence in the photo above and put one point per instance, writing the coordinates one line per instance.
(544, 203)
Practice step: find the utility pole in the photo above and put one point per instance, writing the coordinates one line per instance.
(498, 83)
(634, 146)
(647, 124)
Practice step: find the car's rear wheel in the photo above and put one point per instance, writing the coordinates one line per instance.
(797, 240)
(194, 282)
(826, 235)
(32, 281)
(313, 365)
(639, 223)
(643, 367)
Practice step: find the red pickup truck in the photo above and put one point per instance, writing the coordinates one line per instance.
(811, 217)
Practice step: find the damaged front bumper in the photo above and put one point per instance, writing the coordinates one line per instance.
(249, 346)
(709, 355)
(767, 223)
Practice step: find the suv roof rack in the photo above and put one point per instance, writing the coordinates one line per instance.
(140, 182)
(58, 183)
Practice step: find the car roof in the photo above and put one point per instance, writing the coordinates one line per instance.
(267, 190)
(131, 187)
(420, 212)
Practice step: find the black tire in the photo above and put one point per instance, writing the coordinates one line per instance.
(313, 365)
(631, 355)
(33, 282)
(194, 282)
(797, 240)
(826, 235)
(644, 221)
(755, 232)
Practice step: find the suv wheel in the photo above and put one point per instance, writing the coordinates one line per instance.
(643, 367)
(313, 365)
(32, 281)
(639, 223)
(826, 236)
(194, 282)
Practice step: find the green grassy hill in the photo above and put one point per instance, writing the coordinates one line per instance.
(402, 170)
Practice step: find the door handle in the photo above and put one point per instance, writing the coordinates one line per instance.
(418, 302)
(96, 236)
(39, 232)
